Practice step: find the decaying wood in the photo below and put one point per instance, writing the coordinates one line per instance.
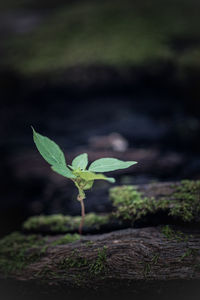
(128, 255)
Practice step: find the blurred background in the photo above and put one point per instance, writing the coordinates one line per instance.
(110, 78)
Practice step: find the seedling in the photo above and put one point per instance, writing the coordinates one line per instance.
(77, 172)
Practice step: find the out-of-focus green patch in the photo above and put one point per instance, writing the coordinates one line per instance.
(61, 223)
(66, 239)
(115, 33)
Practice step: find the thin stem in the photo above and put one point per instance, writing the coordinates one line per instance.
(82, 214)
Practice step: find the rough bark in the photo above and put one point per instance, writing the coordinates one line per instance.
(127, 255)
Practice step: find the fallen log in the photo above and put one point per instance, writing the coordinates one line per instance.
(159, 253)
(132, 206)
(91, 261)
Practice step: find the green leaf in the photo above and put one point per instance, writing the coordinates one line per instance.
(49, 150)
(63, 170)
(109, 164)
(80, 162)
(88, 176)
(88, 185)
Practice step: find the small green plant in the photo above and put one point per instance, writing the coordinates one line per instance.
(77, 172)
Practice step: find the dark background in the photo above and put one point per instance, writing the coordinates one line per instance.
(80, 70)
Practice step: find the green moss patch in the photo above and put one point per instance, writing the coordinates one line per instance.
(130, 204)
(99, 265)
(183, 202)
(172, 234)
(61, 223)
(92, 267)
(18, 250)
(67, 238)
(186, 200)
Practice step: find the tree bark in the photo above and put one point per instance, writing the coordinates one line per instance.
(126, 255)
(149, 253)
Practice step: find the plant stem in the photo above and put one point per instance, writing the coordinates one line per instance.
(82, 214)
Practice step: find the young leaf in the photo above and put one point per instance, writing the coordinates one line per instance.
(63, 170)
(88, 185)
(80, 162)
(88, 176)
(49, 150)
(109, 164)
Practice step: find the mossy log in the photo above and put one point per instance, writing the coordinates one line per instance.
(129, 255)
(164, 252)
(133, 206)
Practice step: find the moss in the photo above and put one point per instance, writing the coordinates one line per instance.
(183, 202)
(18, 250)
(89, 243)
(95, 221)
(86, 267)
(68, 238)
(148, 265)
(190, 252)
(186, 199)
(130, 204)
(99, 265)
(61, 223)
(45, 274)
(171, 234)
(73, 261)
